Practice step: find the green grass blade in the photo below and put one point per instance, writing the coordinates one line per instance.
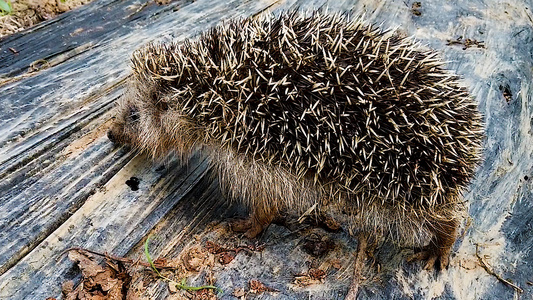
(149, 258)
(5, 7)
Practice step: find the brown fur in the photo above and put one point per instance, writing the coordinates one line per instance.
(384, 151)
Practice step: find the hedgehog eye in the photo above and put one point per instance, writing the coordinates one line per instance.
(134, 114)
(162, 105)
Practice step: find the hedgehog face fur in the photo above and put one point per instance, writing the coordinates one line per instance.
(127, 125)
(145, 121)
(314, 111)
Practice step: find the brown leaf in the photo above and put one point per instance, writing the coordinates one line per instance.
(317, 274)
(226, 257)
(67, 287)
(161, 261)
(258, 287)
(313, 276)
(214, 248)
(194, 259)
(205, 295)
(89, 268)
(98, 282)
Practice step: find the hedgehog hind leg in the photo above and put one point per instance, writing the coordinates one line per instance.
(440, 247)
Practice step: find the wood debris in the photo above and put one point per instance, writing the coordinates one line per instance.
(466, 43)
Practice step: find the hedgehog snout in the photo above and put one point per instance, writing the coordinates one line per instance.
(115, 135)
(111, 136)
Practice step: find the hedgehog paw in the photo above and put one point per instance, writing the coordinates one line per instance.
(250, 228)
(254, 231)
(241, 225)
(435, 258)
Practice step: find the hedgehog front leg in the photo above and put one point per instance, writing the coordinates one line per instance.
(259, 219)
(440, 247)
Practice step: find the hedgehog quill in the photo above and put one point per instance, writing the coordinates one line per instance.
(299, 111)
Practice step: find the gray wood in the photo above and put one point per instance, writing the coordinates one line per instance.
(62, 182)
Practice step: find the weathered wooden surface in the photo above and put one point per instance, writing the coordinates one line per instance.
(62, 182)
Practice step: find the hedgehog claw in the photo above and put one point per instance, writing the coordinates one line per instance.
(250, 226)
(431, 256)
(418, 256)
(247, 226)
(254, 231)
(241, 225)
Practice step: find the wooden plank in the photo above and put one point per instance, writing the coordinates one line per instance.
(61, 185)
(114, 217)
(75, 32)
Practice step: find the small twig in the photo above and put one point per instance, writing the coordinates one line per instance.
(466, 43)
(491, 272)
(265, 9)
(257, 287)
(529, 17)
(115, 258)
(467, 226)
(306, 213)
(360, 258)
(217, 249)
(183, 286)
(141, 7)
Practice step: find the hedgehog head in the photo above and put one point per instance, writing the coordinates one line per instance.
(132, 118)
(148, 116)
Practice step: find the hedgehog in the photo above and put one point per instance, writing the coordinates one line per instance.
(314, 112)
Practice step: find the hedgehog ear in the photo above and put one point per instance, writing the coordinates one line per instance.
(151, 91)
(157, 100)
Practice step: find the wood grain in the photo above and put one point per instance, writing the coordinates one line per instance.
(62, 183)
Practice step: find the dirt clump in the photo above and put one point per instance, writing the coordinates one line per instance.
(26, 13)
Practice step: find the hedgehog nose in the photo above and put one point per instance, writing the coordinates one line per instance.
(111, 136)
